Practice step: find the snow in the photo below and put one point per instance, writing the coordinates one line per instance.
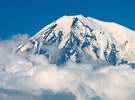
(104, 31)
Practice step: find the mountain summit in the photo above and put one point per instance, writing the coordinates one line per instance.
(83, 40)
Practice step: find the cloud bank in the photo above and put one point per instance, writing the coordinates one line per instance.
(31, 77)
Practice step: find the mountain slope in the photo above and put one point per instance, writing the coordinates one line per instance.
(83, 39)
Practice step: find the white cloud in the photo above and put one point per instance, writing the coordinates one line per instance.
(30, 77)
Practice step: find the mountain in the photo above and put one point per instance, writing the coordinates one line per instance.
(83, 40)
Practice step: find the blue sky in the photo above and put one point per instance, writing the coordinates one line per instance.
(29, 16)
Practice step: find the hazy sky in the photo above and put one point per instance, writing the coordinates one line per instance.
(29, 16)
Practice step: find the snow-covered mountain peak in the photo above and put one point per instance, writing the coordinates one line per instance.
(83, 38)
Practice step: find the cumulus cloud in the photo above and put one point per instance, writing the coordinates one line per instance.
(31, 77)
